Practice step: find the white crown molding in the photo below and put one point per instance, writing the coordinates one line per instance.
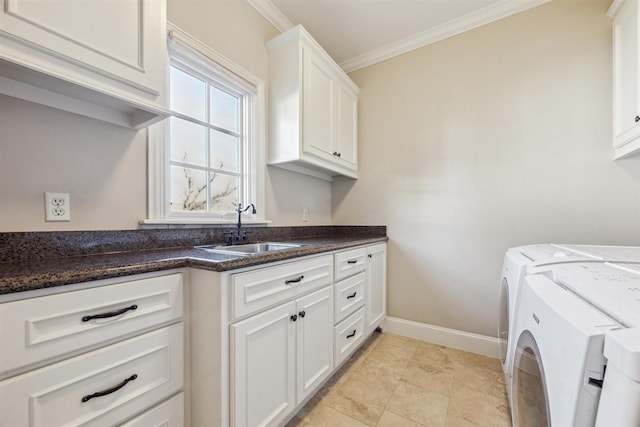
(613, 9)
(473, 20)
(272, 14)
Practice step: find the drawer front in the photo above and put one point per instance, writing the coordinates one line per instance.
(37, 329)
(348, 335)
(350, 262)
(349, 296)
(65, 393)
(166, 414)
(259, 289)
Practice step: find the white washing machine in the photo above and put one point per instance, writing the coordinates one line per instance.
(613, 288)
(522, 260)
(558, 363)
(611, 253)
(591, 320)
(518, 262)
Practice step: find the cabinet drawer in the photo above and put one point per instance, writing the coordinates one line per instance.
(349, 296)
(348, 335)
(61, 394)
(166, 414)
(47, 327)
(262, 288)
(350, 262)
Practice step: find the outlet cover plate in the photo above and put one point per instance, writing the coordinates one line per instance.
(57, 207)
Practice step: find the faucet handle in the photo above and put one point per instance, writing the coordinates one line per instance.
(228, 237)
(245, 236)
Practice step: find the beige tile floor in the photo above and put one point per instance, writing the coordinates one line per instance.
(397, 381)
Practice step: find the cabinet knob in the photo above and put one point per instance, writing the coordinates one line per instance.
(302, 313)
(370, 256)
(294, 317)
(637, 119)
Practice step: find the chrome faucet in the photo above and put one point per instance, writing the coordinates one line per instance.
(240, 211)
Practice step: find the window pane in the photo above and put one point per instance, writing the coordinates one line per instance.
(224, 192)
(188, 142)
(188, 94)
(188, 189)
(224, 151)
(223, 110)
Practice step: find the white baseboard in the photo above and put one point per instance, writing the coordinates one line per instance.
(473, 343)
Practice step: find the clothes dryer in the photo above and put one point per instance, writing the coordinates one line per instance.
(558, 364)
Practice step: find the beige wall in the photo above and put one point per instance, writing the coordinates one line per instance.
(103, 167)
(494, 138)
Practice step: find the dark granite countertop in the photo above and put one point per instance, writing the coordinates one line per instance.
(19, 272)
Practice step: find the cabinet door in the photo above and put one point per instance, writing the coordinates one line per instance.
(263, 367)
(376, 292)
(626, 115)
(347, 127)
(115, 47)
(314, 340)
(318, 123)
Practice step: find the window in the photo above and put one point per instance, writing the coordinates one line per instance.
(207, 157)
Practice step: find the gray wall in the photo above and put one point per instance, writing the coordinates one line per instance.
(104, 167)
(494, 138)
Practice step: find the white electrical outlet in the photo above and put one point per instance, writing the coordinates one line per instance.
(57, 207)
(305, 214)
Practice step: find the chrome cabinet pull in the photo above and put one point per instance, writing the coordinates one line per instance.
(287, 282)
(111, 314)
(88, 397)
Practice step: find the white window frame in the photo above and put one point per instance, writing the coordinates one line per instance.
(186, 50)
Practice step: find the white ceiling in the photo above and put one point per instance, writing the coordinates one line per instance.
(358, 33)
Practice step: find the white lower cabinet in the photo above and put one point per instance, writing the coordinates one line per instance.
(376, 286)
(314, 341)
(98, 388)
(291, 325)
(166, 414)
(349, 334)
(278, 357)
(94, 357)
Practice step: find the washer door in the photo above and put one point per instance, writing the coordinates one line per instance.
(529, 388)
(503, 323)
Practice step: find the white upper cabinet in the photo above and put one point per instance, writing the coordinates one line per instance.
(626, 80)
(102, 59)
(312, 108)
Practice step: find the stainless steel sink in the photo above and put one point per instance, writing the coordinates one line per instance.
(250, 248)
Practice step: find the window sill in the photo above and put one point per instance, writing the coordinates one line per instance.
(199, 223)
